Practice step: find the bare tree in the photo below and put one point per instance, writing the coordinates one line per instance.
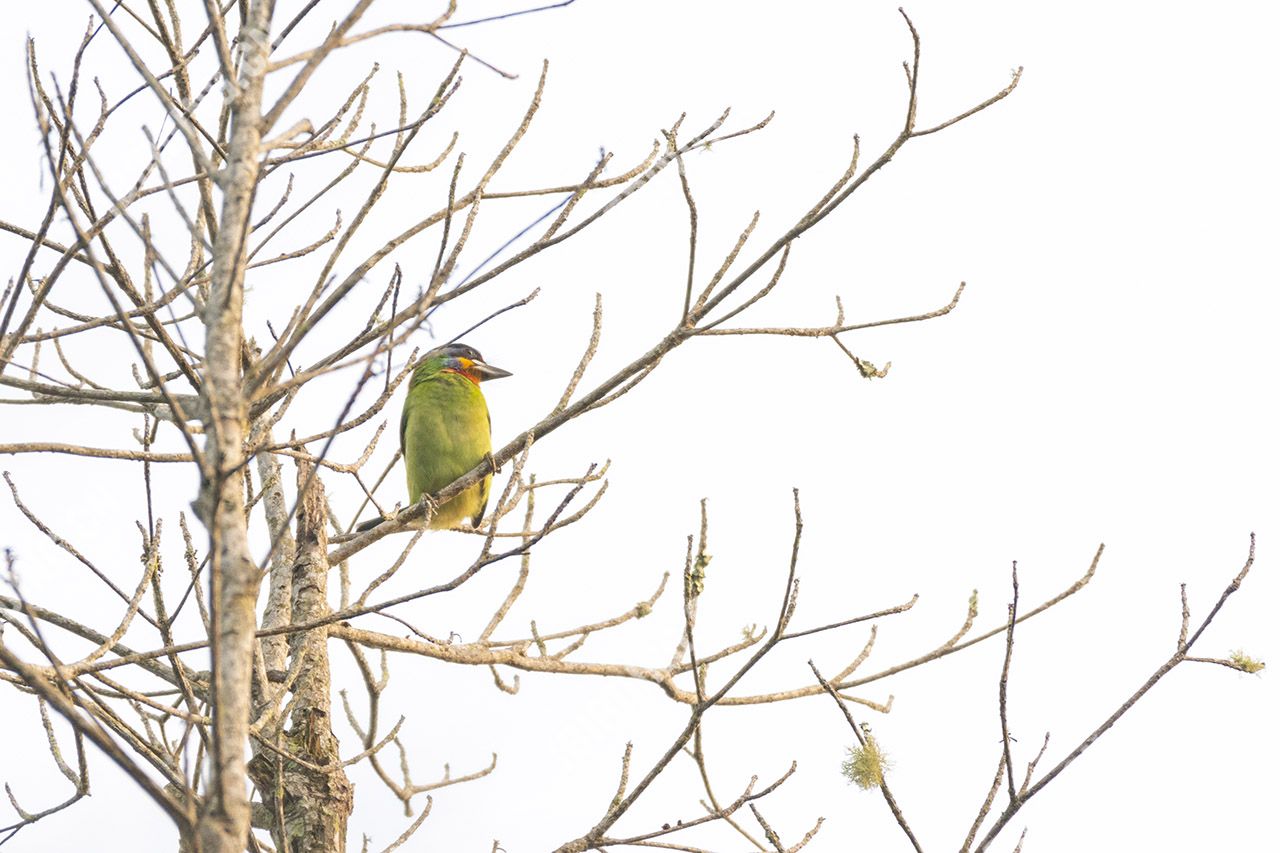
(175, 241)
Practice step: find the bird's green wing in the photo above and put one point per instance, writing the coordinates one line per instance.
(484, 503)
(404, 422)
(485, 483)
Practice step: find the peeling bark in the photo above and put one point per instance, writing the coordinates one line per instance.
(278, 610)
(315, 801)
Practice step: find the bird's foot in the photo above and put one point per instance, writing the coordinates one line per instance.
(432, 506)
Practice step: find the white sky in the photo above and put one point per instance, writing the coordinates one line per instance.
(1106, 378)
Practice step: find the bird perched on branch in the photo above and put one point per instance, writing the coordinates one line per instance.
(444, 431)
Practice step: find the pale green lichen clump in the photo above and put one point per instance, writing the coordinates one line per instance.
(1244, 663)
(866, 765)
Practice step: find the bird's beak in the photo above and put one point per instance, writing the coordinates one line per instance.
(488, 371)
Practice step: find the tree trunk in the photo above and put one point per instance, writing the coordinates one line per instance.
(224, 822)
(314, 801)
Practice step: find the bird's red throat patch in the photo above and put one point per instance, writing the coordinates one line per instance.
(463, 371)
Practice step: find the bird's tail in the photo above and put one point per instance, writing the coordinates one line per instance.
(368, 524)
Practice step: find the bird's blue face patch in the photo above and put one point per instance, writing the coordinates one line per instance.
(461, 365)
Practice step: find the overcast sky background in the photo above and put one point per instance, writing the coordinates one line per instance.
(1107, 377)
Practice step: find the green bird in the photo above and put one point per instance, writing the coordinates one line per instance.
(445, 431)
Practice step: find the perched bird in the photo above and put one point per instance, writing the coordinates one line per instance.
(444, 431)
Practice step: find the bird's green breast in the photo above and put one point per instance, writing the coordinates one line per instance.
(444, 433)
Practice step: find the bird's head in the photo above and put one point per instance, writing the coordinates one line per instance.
(460, 359)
